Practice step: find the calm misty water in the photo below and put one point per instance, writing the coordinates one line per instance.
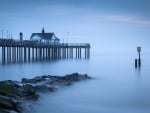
(117, 86)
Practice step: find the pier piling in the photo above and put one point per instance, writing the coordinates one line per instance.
(23, 51)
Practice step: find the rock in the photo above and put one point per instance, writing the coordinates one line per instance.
(12, 83)
(13, 92)
(25, 80)
(9, 87)
(9, 103)
(28, 92)
(71, 77)
(35, 79)
(9, 96)
(5, 102)
(75, 77)
(44, 88)
(4, 93)
(7, 111)
(83, 77)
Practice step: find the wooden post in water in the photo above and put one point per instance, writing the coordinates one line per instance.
(76, 52)
(67, 52)
(13, 54)
(21, 54)
(33, 53)
(72, 52)
(28, 53)
(139, 50)
(80, 53)
(46, 53)
(25, 54)
(49, 53)
(136, 62)
(59, 53)
(36, 52)
(43, 56)
(7, 53)
(52, 53)
(85, 53)
(19, 51)
(3, 55)
(40, 53)
(88, 52)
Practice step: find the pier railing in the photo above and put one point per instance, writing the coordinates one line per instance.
(12, 42)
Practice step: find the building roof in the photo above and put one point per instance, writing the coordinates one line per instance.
(45, 36)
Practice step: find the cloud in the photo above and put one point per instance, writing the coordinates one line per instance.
(127, 19)
(100, 17)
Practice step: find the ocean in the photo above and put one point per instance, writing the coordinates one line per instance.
(116, 85)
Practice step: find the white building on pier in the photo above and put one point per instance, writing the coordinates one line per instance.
(43, 37)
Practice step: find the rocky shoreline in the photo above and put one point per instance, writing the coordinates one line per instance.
(14, 93)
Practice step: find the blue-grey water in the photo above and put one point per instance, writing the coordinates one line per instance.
(117, 87)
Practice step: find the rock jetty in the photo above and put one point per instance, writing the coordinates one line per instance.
(14, 93)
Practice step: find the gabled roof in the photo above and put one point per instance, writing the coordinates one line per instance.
(46, 36)
(57, 39)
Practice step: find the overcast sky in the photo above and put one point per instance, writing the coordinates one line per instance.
(109, 25)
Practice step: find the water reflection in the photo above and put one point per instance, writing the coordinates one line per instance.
(138, 66)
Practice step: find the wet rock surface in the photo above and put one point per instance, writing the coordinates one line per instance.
(14, 93)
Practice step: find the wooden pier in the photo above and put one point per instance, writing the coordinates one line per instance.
(14, 51)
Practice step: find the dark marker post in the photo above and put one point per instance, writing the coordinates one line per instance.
(139, 50)
(136, 61)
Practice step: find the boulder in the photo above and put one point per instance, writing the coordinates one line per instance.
(7, 111)
(75, 77)
(9, 103)
(13, 92)
(28, 92)
(36, 79)
(44, 88)
(25, 80)
(11, 83)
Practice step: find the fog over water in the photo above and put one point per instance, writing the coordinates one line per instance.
(117, 86)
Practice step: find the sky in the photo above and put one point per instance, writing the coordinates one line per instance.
(109, 25)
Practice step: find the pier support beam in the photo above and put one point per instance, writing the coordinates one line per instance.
(36, 52)
(3, 55)
(25, 54)
(28, 53)
(8, 54)
(13, 54)
(33, 53)
(43, 56)
(87, 53)
(21, 52)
